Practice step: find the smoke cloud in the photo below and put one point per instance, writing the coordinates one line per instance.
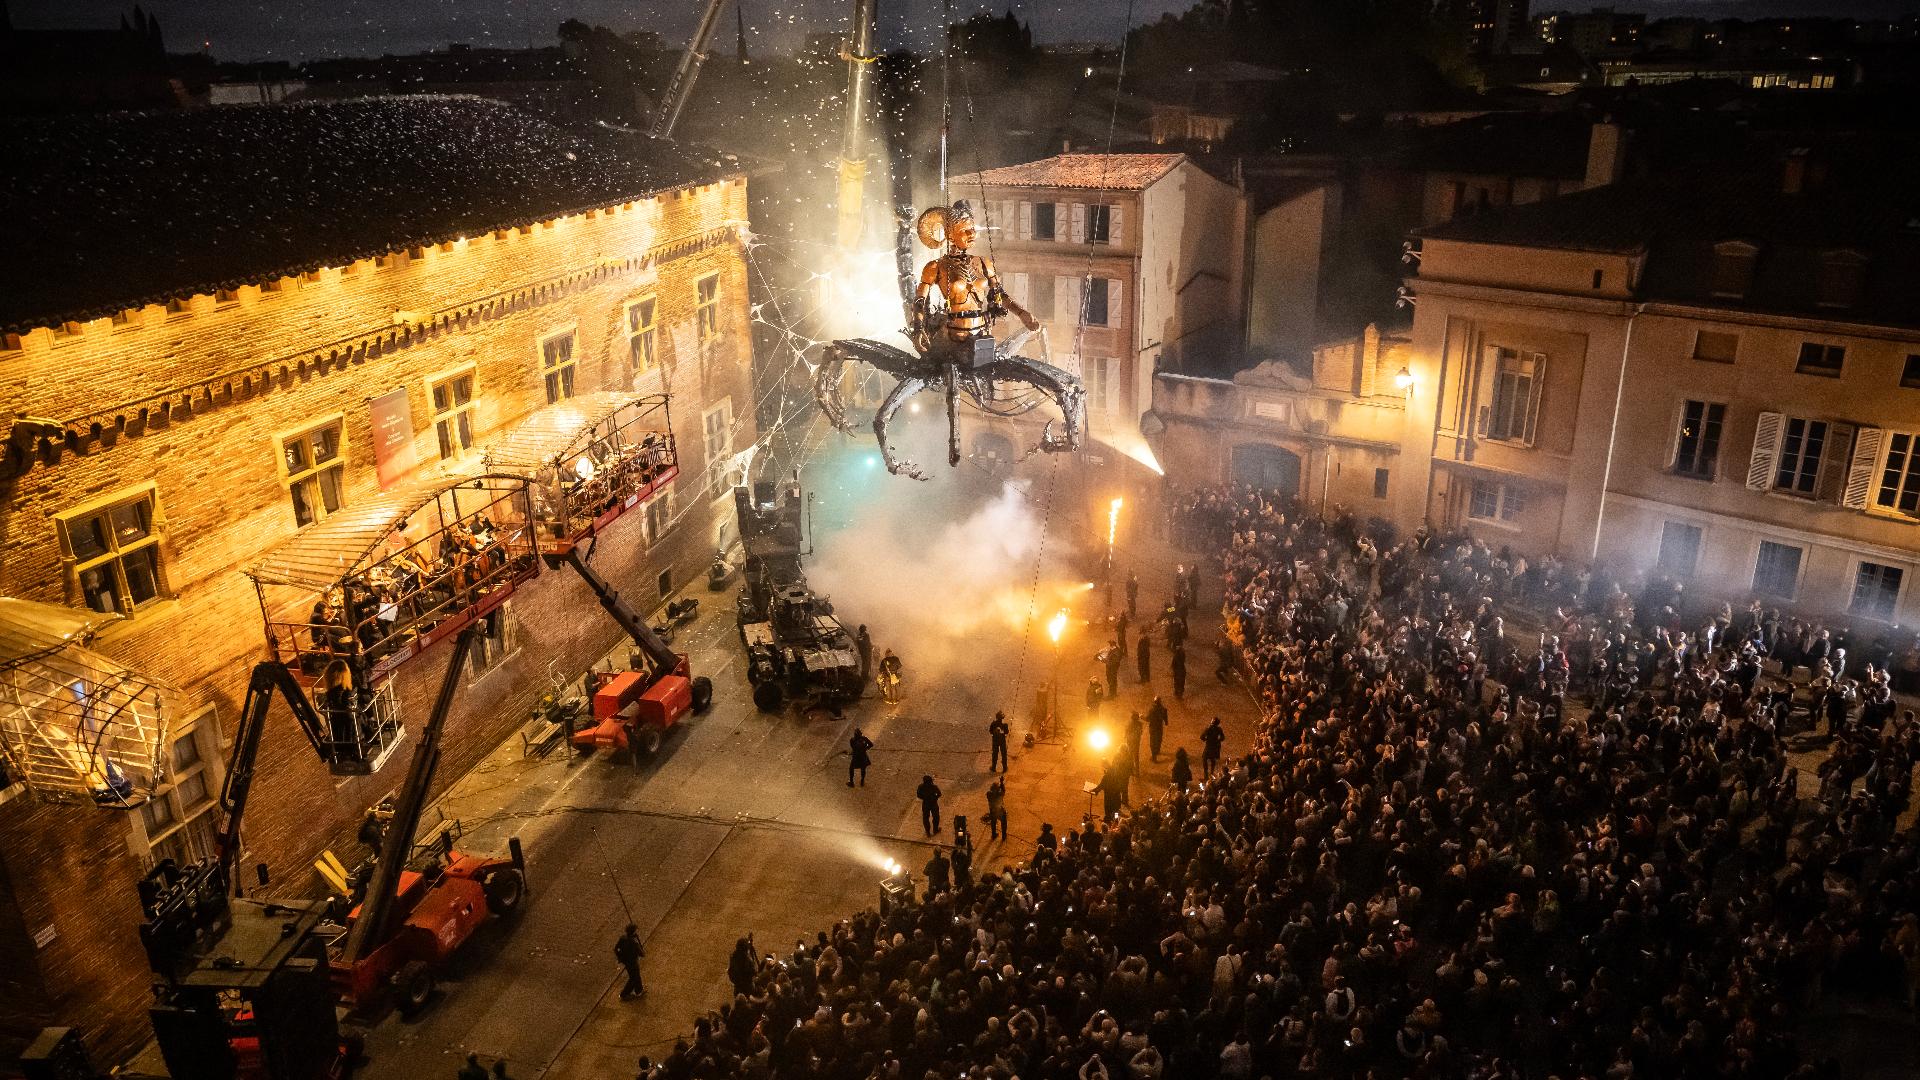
(944, 574)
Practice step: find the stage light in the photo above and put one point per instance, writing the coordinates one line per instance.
(1057, 625)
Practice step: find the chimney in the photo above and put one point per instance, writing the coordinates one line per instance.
(1606, 154)
(1369, 360)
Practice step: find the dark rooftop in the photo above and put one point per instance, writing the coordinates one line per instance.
(117, 211)
(1800, 209)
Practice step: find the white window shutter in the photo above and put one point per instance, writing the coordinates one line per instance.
(1539, 385)
(1066, 301)
(1484, 382)
(1116, 307)
(1836, 459)
(1112, 367)
(1766, 451)
(1079, 223)
(1866, 461)
(1026, 221)
(1017, 285)
(1114, 235)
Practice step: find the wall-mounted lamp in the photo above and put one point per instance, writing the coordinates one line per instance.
(1404, 381)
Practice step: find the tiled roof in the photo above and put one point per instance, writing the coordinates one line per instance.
(1863, 203)
(1111, 172)
(118, 211)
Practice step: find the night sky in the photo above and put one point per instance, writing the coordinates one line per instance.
(277, 29)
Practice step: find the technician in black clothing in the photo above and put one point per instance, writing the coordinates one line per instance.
(937, 871)
(929, 794)
(628, 951)
(1143, 657)
(999, 729)
(1179, 664)
(1210, 756)
(857, 760)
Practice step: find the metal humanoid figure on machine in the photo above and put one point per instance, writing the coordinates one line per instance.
(955, 346)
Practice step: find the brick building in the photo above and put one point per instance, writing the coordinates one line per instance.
(201, 312)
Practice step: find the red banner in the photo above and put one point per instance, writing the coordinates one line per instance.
(392, 436)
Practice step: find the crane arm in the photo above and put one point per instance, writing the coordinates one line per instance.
(369, 928)
(662, 658)
(268, 679)
(684, 76)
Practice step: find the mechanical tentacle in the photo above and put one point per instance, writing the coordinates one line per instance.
(1061, 386)
(826, 387)
(905, 389)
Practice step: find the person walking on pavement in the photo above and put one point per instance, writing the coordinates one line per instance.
(1135, 727)
(1156, 727)
(1210, 756)
(1182, 774)
(997, 810)
(1094, 697)
(1178, 662)
(929, 794)
(1143, 658)
(998, 729)
(741, 966)
(472, 1070)
(1111, 658)
(890, 673)
(1133, 594)
(863, 641)
(628, 951)
(857, 759)
(1120, 625)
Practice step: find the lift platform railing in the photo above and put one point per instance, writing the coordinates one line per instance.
(589, 460)
(447, 563)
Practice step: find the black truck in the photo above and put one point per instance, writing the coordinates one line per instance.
(796, 650)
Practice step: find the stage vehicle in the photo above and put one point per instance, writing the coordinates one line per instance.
(796, 649)
(247, 987)
(634, 709)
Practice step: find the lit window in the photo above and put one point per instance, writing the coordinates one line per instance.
(1495, 502)
(557, 365)
(1514, 401)
(1715, 346)
(1899, 489)
(1819, 359)
(1697, 450)
(1801, 444)
(179, 822)
(659, 517)
(1876, 591)
(1776, 571)
(706, 293)
(113, 551)
(314, 465)
(716, 429)
(452, 397)
(642, 337)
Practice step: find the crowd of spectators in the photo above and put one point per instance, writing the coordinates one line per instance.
(1446, 854)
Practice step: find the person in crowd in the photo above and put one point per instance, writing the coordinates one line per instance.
(1211, 740)
(1593, 858)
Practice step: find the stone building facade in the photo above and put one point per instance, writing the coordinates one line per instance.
(206, 420)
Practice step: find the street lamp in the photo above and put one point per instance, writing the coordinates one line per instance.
(1056, 628)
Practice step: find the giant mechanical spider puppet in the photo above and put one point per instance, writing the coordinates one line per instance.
(955, 346)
